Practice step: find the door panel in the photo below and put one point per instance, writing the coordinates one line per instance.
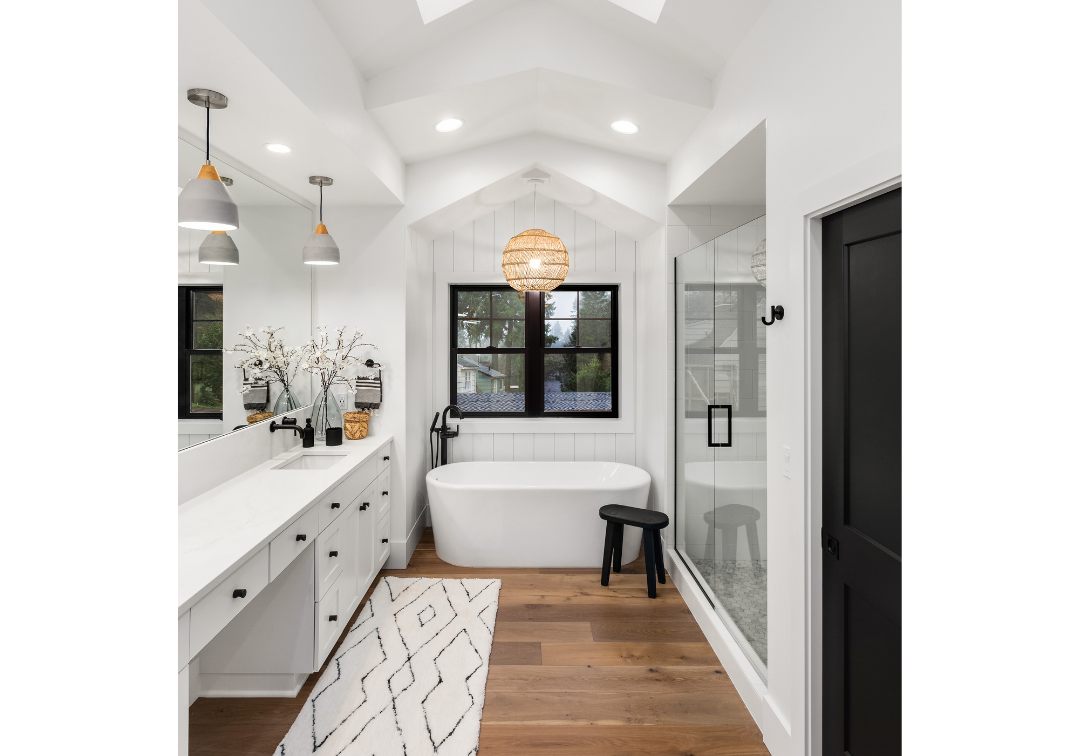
(861, 482)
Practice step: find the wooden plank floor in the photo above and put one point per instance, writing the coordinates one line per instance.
(577, 669)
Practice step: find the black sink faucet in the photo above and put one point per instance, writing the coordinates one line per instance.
(445, 432)
(287, 423)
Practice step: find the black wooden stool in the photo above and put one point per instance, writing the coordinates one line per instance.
(651, 523)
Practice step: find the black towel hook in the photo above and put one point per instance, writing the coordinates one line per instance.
(776, 314)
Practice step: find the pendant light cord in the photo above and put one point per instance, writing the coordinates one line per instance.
(320, 203)
(208, 132)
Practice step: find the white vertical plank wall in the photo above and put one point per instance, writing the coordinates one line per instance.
(593, 247)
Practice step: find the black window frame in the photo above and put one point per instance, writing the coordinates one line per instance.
(187, 350)
(535, 351)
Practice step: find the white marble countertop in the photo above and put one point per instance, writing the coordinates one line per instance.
(224, 527)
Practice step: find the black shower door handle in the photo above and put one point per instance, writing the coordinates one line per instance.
(710, 433)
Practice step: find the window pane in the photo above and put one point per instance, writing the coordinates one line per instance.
(474, 334)
(560, 304)
(560, 333)
(727, 317)
(205, 383)
(473, 304)
(207, 305)
(491, 382)
(594, 333)
(508, 304)
(508, 333)
(577, 383)
(206, 334)
(594, 304)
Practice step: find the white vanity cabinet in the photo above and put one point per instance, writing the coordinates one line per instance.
(302, 583)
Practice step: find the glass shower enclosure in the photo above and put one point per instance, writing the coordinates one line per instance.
(721, 524)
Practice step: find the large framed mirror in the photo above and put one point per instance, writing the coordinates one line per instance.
(269, 288)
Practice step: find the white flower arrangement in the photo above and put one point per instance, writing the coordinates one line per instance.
(266, 357)
(330, 354)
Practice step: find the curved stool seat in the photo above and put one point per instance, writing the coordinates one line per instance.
(651, 524)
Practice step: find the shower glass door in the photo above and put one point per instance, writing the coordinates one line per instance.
(720, 512)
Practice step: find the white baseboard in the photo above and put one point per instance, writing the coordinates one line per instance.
(251, 685)
(401, 551)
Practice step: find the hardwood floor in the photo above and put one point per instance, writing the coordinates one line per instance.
(577, 669)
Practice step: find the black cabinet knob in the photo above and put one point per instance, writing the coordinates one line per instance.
(301, 537)
(386, 540)
(335, 505)
(333, 618)
(333, 554)
(385, 459)
(240, 593)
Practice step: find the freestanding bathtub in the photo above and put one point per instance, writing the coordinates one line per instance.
(530, 514)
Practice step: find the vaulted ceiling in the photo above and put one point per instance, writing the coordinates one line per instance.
(373, 76)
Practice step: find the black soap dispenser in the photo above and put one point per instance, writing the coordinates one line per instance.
(309, 435)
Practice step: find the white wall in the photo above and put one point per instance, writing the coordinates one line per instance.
(473, 254)
(825, 75)
(368, 290)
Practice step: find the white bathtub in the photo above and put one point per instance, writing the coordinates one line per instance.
(531, 514)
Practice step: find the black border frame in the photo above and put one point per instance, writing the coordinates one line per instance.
(185, 336)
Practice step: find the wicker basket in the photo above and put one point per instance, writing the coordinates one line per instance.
(259, 417)
(356, 425)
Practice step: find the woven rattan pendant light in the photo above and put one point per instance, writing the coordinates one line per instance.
(535, 260)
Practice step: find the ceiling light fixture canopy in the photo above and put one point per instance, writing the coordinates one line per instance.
(321, 249)
(535, 260)
(205, 203)
(449, 124)
(218, 248)
(625, 127)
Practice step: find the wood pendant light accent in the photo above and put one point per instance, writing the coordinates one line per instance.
(209, 172)
(321, 229)
(535, 260)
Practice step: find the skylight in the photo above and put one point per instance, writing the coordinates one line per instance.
(433, 9)
(647, 9)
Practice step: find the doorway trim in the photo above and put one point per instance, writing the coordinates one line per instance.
(827, 197)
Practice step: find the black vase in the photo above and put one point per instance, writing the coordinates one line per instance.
(333, 436)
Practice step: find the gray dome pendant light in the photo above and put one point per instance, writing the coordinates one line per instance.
(218, 248)
(205, 203)
(321, 249)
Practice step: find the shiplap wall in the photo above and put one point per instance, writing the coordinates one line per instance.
(594, 248)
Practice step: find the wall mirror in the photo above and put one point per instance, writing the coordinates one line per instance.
(217, 304)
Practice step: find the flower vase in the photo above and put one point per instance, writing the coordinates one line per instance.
(285, 402)
(325, 414)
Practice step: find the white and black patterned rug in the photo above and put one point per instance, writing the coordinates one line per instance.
(408, 679)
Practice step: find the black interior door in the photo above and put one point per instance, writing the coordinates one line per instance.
(861, 504)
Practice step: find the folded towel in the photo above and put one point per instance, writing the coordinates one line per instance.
(256, 395)
(368, 393)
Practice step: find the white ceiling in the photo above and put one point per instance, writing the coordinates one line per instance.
(336, 79)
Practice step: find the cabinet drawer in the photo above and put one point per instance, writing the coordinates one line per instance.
(332, 552)
(294, 539)
(217, 608)
(382, 494)
(332, 505)
(384, 459)
(329, 622)
(382, 542)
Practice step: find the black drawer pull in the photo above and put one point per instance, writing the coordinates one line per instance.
(333, 554)
(240, 593)
(385, 493)
(335, 505)
(333, 618)
(301, 537)
(365, 505)
(386, 540)
(385, 459)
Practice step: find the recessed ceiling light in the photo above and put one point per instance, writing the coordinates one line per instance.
(449, 124)
(624, 127)
(279, 148)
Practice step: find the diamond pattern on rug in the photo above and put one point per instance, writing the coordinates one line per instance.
(408, 678)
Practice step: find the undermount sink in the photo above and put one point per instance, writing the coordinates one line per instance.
(312, 462)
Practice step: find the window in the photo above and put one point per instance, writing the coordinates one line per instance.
(200, 351)
(534, 354)
(725, 348)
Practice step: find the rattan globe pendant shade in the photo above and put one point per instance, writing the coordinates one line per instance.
(535, 260)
